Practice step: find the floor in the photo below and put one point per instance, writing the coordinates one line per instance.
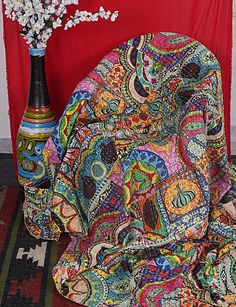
(7, 170)
(5, 146)
(233, 140)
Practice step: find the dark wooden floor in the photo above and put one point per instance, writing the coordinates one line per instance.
(7, 170)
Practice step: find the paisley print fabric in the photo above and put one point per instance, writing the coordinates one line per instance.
(137, 174)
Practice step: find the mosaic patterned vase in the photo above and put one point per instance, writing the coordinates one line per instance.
(38, 121)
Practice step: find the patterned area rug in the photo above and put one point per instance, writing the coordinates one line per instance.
(25, 263)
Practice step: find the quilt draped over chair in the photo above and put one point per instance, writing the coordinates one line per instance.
(137, 174)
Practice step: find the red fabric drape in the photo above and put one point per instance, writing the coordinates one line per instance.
(72, 54)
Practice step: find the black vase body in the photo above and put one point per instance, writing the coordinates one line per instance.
(38, 121)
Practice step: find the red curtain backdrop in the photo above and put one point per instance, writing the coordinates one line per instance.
(71, 54)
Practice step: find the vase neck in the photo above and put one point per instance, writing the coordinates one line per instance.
(38, 92)
(37, 52)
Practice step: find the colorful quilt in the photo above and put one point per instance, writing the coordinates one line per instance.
(137, 174)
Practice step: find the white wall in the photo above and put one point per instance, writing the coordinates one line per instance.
(4, 118)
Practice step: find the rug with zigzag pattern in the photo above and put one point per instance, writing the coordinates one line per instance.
(25, 263)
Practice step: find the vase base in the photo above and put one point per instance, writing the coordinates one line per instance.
(36, 127)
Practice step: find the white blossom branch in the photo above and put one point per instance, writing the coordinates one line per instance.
(38, 18)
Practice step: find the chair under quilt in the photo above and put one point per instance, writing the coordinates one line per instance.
(137, 174)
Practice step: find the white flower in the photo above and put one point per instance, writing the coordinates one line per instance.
(41, 45)
(57, 23)
(9, 4)
(94, 17)
(103, 13)
(69, 24)
(56, 2)
(68, 2)
(61, 11)
(46, 16)
(8, 12)
(45, 36)
(23, 20)
(18, 4)
(29, 37)
(28, 8)
(38, 7)
(13, 16)
(32, 20)
(38, 18)
(75, 21)
(51, 9)
(37, 27)
(84, 16)
(28, 5)
(114, 15)
(35, 2)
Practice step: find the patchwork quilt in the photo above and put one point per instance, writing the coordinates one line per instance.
(137, 174)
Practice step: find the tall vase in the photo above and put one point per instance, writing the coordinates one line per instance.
(38, 121)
